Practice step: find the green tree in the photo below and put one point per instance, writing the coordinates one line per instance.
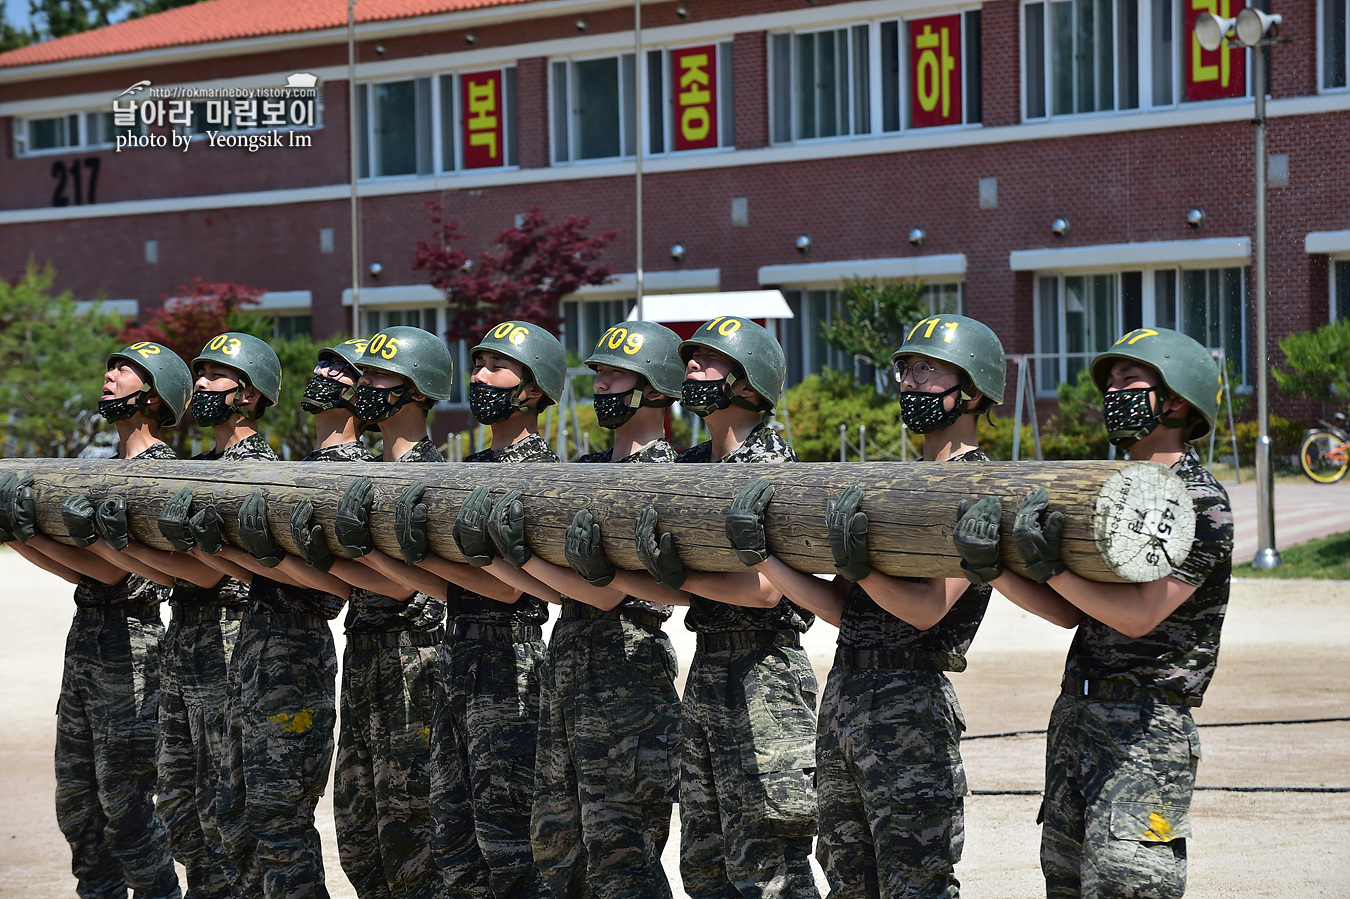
(52, 358)
(1318, 364)
(821, 403)
(288, 428)
(1078, 429)
(875, 319)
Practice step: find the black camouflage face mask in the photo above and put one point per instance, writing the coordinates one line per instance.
(323, 393)
(371, 404)
(1129, 415)
(491, 405)
(924, 413)
(119, 408)
(613, 410)
(209, 408)
(705, 397)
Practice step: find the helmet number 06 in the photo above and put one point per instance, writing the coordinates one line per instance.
(512, 333)
(383, 345)
(617, 337)
(226, 344)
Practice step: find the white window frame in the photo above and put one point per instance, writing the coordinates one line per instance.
(902, 77)
(872, 83)
(625, 101)
(83, 139)
(726, 138)
(1335, 300)
(1322, 36)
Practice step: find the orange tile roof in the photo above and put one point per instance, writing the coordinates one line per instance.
(224, 20)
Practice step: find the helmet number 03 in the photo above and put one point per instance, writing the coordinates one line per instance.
(145, 349)
(727, 327)
(513, 334)
(932, 324)
(383, 345)
(617, 337)
(226, 344)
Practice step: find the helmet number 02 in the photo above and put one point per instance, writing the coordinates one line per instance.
(617, 337)
(512, 333)
(145, 349)
(226, 344)
(727, 327)
(383, 345)
(932, 324)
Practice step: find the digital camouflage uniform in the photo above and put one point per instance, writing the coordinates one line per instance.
(193, 686)
(609, 736)
(891, 779)
(1122, 747)
(105, 738)
(382, 779)
(484, 731)
(748, 755)
(279, 719)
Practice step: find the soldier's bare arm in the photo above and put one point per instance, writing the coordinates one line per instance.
(46, 563)
(921, 603)
(470, 578)
(750, 589)
(1038, 599)
(824, 598)
(129, 563)
(178, 565)
(644, 586)
(78, 560)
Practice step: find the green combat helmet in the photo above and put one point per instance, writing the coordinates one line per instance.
(649, 349)
(420, 356)
(1185, 367)
(961, 341)
(750, 346)
(250, 356)
(349, 351)
(533, 347)
(169, 375)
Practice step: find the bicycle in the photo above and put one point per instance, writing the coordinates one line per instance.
(1325, 453)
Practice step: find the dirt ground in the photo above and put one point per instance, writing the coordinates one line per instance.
(1284, 658)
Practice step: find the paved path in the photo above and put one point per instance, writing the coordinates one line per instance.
(1303, 511)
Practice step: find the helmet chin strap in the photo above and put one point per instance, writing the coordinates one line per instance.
(731, 381)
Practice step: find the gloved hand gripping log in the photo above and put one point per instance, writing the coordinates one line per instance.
(1106, 521)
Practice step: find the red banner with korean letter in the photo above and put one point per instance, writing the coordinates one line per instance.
(481, 99)
(1213, 74)
(935, 71)
(693, 72)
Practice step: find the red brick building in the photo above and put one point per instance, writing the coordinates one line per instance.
(1042, 165)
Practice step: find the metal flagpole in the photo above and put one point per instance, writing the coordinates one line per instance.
(1267, 556)
(639, 131)
(353, 137)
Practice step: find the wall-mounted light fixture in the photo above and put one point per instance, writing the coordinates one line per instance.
(677, 252)
(917, 236)
(1059, 227)
(804, 244)
(376, 270)
(581, 23)
(1195, 217)
(682, 10)
(470, 38)
(379, 49)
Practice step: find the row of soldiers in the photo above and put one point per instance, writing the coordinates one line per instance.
(471, 760)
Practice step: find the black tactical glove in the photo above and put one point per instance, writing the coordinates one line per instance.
(351, 525)
(1038, 544)
(308, 537)
(78, 514)
(254, 532)
(173, 521)
(7, 482)
(506, 526)
(658, 552)
(745, 522)
(976, 539)
(206, 527)
(584, 552)
(410, 524)
(848, 535)
(23, 510)
(424, 611)
(470, 530)
(111, 522)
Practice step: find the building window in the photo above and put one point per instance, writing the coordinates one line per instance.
(689, 98)
(436, 125)
(1080, 315)
(78, 130)
(428, 318)
(1334, 27)
(929, 69)
(585, 320)
(593, 108)
(1340, 289)
(820, 84)
(289, 327)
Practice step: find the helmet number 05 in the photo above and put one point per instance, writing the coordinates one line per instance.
(226, 344)
(145, 349)
(617, 337)
(383, 346)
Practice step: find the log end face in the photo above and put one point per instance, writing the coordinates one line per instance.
(1144, 522)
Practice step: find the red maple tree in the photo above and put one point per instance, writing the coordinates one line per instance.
(524, 275)
(192, 316)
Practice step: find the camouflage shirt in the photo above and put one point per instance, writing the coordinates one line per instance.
(132, 590)
(660, 451)
(866, 625)
(707, 616)
(527, 609)
(269, 596)
(251, 449)
(369, 612)
(1180, 653)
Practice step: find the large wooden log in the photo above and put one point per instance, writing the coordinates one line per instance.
(1124, 521)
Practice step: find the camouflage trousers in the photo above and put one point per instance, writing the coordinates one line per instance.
(105, 755)
(197, 649)
(483, 740)
(747, 772)
(278, 751)
(607, 765)
(1118, 784)
(382, 782)
(891, 784)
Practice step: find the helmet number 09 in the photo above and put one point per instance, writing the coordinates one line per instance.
(512, 333)
(727, 327)
(383, 346)
(617, 337)
(145, 349)
(932, 324)
(226, 344)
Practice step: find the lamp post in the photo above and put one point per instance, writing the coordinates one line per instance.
(1254, 29)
